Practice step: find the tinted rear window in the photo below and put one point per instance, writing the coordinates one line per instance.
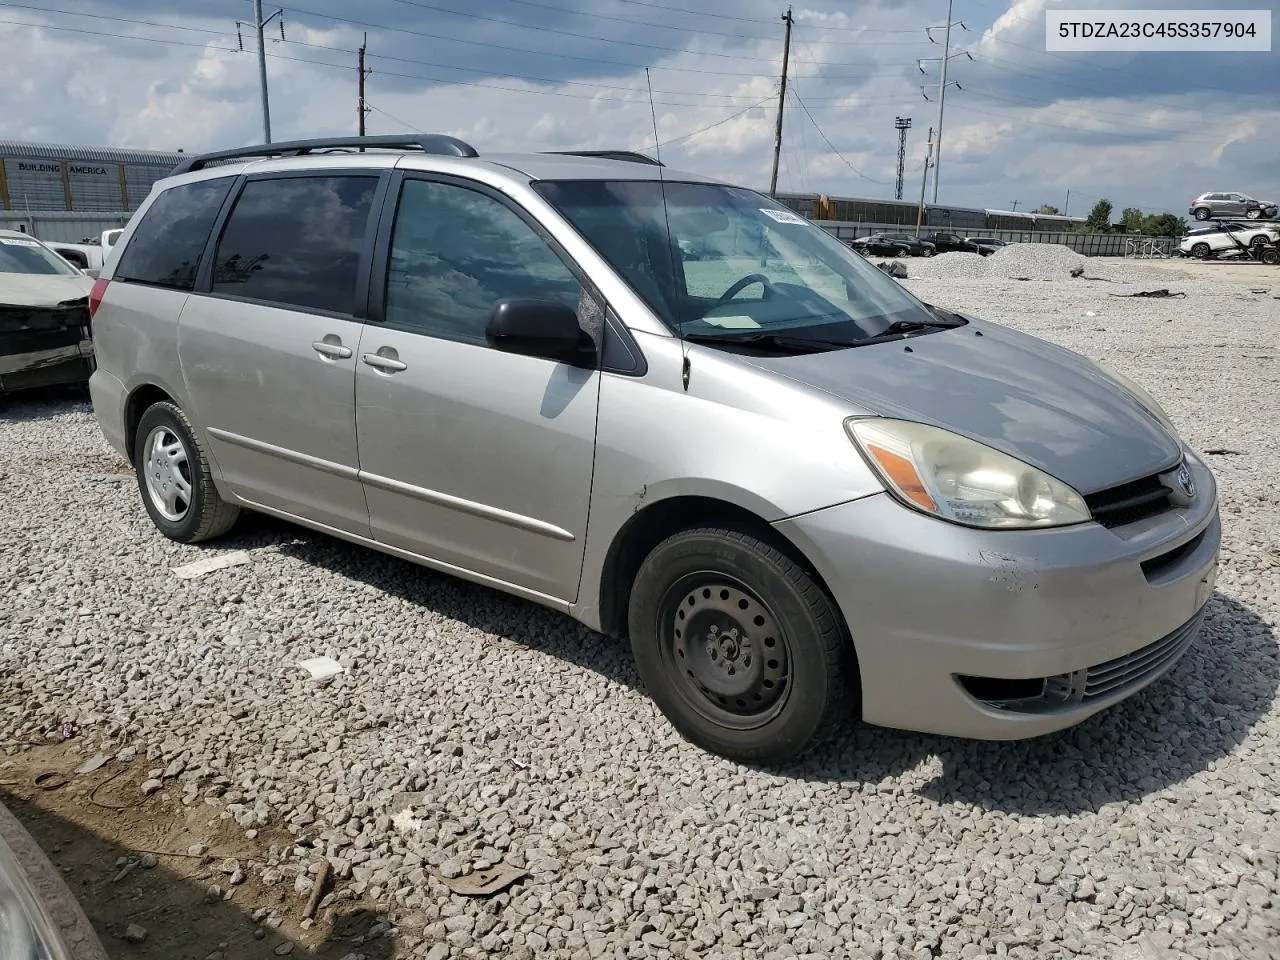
(296, 241)
(166, 247)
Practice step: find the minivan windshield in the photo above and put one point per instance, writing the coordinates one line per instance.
(725, 262)
(20, 255)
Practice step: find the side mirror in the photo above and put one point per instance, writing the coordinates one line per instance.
(540, 328)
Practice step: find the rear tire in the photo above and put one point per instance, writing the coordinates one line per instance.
(1202, 213)
(1200, 251)
(1270, 256)
(175, 480)
(737, 645)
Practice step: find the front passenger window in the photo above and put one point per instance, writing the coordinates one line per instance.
(454, 251)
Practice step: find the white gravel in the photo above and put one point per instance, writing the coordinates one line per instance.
(1150, 831)
(1034, 262)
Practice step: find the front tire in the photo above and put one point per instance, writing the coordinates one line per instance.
(1254, 214)
(175, 480)
(737, 645)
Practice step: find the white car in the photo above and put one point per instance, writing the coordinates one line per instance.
(1207, 243)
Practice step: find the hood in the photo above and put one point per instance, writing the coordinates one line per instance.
(42, 290)
(1041, 403)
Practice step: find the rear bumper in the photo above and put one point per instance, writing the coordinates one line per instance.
(1080, 617)
(108, 395)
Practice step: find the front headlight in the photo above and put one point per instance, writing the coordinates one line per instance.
(1140, 396)
(949, 476)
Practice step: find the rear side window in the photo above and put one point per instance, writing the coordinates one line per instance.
(165, 248)
(296, 242)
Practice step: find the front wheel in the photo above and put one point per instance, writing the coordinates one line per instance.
(1254, 214)
(738, 646)
(175, 480)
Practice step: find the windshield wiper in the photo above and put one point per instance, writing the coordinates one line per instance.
(772, 341)
(910, 326)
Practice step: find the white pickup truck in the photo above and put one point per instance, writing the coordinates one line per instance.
(88, 256)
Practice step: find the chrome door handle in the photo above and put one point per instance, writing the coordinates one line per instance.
(335, 351)
(380, 362)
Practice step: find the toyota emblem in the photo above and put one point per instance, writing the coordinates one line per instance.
(1185, 483)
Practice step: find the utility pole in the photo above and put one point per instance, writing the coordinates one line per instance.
(259, 26)
(782, 100)
(902, 124)
(1015, 205)
(924, 179)
(1066, 205)
(945, 59)
(363, 109)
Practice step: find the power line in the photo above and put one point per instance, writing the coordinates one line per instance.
(520, 76)
(118, 36)
(555, 54)
(712, 126)
(406, 126)
(828, 142)
(685, 29)
(99, 16)
(421, 4)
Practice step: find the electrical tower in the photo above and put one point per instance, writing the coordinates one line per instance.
(902, 125)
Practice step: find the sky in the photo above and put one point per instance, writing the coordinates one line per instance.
(1021, 126)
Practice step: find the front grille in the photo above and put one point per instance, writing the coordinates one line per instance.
(1133, 668)
(1129, 502)
(1047, 694)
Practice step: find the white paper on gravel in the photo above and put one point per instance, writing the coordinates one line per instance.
(199, 568)
(321, 668)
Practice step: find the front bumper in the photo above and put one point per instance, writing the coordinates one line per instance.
(44, 358)
(1084, 615)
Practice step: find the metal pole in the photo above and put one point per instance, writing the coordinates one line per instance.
(924, 180)
(262, 70)
(361, 109)
(942, 101)
(782, 99)
(1067, 205)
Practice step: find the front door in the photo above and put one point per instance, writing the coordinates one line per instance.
(478, 459)
(268, 350)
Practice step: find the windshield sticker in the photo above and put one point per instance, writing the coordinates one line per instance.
(18, 242)
(782, 216)
(732, 323)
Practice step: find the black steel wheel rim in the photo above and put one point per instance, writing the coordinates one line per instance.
(725, 650)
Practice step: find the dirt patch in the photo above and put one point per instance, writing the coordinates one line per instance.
(134, 859)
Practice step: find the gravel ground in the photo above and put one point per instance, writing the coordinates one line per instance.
(1149, 831)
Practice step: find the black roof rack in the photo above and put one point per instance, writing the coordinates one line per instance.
(627, 156)
(434, 143)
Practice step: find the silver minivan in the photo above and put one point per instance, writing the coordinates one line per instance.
(668, 407)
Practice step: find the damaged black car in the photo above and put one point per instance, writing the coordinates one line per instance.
(44, 316)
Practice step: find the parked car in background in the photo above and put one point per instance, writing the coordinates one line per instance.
(951, 243)
(109, 239)
(1210, 206)
(85, 256)
(987, 245)
(44, 316)
(809, 492)
(39, 917)
(1223, 239)
(894, 245)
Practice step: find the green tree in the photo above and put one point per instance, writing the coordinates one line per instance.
(1048, 209)
(1164, 225)
(1133, 220)
(1099, 219)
